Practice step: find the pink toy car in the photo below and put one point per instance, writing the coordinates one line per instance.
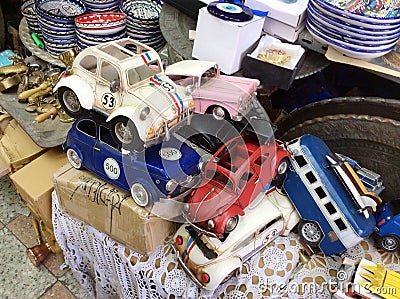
(225, 97)
(234, 176)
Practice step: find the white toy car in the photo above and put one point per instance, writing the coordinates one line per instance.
(125, 81)
(225, 97)
(210, 261)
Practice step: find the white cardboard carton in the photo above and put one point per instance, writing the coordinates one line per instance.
(282, 30)
(291, 13)
(225, 42)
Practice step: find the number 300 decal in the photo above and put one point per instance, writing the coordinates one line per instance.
(108, 101)
(111, 168)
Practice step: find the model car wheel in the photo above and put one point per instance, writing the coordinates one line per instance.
(69, 102)
(231, 224)
(283, 166)
(124, 132)
(389, 243)
(219, 113)
(310, 232)
(140, 195)
(74, 158)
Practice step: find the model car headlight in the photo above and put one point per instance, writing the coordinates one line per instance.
(210, 223)
(231, 224)
(171, 185)
(144, 113)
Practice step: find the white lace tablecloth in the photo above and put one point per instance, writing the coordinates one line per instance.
(107, 269)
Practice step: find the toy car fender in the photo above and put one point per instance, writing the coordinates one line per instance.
(225, 270)
(132, 112)
(81, 88)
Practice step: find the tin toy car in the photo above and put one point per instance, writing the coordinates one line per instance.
(210, 261)
(124, 80)
(232, 179)
(165, 170)
(225, 97)
(387, 230)
(335, 207)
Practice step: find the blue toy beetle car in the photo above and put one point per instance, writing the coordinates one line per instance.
(164, 170)
(388, 226)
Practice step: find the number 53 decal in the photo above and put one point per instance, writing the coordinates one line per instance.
(108, 101)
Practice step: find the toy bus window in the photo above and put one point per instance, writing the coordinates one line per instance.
(109, 72)
(331, 209)
(311, 177)
(300, 161)
(105, 136)
(88, 127)
(320, 192)
(89, 63)
(340, 224)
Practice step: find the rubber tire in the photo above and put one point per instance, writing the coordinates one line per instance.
(60, 94)
(365, 129)
(136, 144)
(313, 243)
(75, 164)
(237, 222)
(382, 240)
(149, 197)
(210, 110)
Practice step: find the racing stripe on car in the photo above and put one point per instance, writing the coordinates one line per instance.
(172, 95)
(146, 57)
(250, 254)
(189, 246)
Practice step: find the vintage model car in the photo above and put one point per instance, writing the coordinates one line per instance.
(388, 226)
(225, 97)
(335, 207)
(234, 176)
(124, 80)
(210, 261)
(165, 170)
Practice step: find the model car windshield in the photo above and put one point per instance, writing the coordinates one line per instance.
(143, 72)
(208, 75)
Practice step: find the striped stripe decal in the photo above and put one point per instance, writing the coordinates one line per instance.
(249, 255)
(189, 246)
(146, 57)
(174, 96)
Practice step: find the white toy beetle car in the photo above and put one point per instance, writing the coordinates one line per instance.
(210, 261)
(125, 81)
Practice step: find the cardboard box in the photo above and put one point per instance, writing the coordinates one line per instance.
(270, 74)
(282, 30)
(88, 198)
(16, 147)
(225, 42)
(289, 12)
(34, 183)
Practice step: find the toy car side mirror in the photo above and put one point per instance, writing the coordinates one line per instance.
(114, 85)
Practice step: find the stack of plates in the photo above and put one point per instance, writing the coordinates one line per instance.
(96, 28)
(356, 28)
(143, 22)
(94, 6)
(28, 11)
(56, 21)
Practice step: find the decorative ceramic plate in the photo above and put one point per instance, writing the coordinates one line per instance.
(351, 29)
(347, 50)
(376, 24)
(64, 8)
(141, 9)
(101, 23)
(366, 10)
(340, 36)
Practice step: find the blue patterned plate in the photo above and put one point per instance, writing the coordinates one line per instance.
(61, 8)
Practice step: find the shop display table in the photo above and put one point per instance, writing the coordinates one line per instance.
(107, 269)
